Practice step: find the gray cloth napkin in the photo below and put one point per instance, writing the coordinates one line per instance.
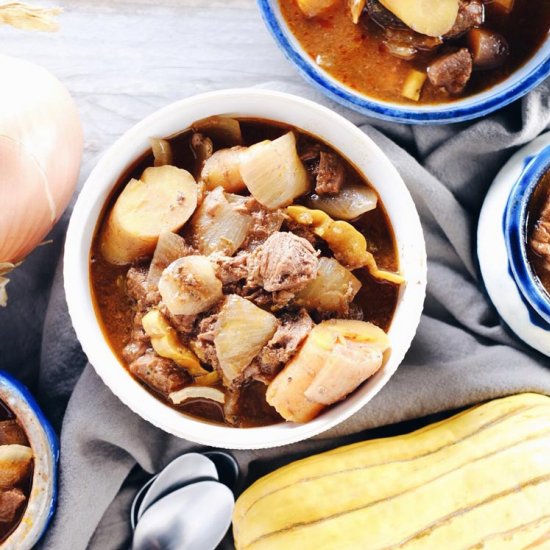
(461, 355)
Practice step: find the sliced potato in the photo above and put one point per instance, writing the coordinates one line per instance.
(223, 169)
(337, 356)
(15, 464)
(243, 329)
(190, 286)
(429, 17)
(273, 172)
(163, 199)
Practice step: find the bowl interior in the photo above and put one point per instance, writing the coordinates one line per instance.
(310, 117)
(516, 85)
(515, 228)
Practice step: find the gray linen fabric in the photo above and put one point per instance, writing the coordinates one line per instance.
(460, 356)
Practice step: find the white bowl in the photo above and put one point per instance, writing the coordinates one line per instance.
(520, 82)
(303, 114)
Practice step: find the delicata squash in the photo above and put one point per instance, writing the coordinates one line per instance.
(478, 480)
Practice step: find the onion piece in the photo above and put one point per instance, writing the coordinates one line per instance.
(218, 225)
(429, 17)
(348, 204)
(36, 181)
(313, 8)
(273, 172)
(162, 151)
(222, 169)
(333, 289)
(29, 18)
(197, 392)
(170, 247)
(222, 128)
(243, 329)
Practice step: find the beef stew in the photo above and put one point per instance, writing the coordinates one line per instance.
(446, 50)
(538, 231)
(280, 248)
(16, 469)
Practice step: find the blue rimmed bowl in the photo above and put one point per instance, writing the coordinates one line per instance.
(43, 441)
(513, 287)
(515, 86)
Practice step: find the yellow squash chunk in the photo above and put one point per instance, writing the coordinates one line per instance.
(273, 172)
(348, 245)
(166, 343)
(336, 358)
(429, 17)
(413, 84)
(479, 479)
(163, 199)
(243, 329)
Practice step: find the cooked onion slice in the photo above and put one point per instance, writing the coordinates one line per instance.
(429, 17)
(218, 225)
(15, 464)
(197, 392)
(349, 203)
(312, 8)
(273, 172)
(222, 128)
(170, 247)
(333, 289)
(162, 151)
(223, 169)
(242, 331)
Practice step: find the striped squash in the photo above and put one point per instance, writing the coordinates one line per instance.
(478, 480)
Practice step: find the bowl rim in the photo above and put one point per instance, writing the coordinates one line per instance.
(515, 226)
(477, 106)
(169, 120)
(42, 437)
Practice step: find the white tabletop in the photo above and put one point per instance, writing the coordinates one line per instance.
(123, 59)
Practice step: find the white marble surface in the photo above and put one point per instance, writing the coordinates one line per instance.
(123, 59)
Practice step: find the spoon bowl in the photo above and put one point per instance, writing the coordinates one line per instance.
(183, 470)
(195, 517)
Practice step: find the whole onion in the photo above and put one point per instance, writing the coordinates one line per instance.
(40, 154)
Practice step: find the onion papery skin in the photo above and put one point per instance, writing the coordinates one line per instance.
(41, 147)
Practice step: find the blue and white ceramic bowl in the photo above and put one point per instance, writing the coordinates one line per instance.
(514, 87)
(43, 441)
(514, 289)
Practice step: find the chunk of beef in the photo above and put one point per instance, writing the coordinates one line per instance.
(11, 433)
(302, 231)
(264, 223)
(309, 152)
(471, 13)
(286, 341)
(160, 374)
(136, 347)
(540, 239)
(330, 174)
(140, 289)
(283, 262)
(273, 301)
(203, 343)
(185, 324)
(231, 409)
(451, 71)
(11, 503)
(232, 269)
